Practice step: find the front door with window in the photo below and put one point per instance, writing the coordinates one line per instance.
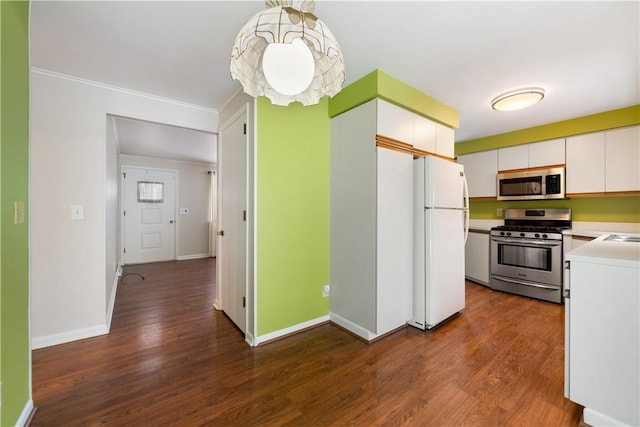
(149, 202)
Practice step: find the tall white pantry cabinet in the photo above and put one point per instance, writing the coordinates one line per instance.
(371, 217)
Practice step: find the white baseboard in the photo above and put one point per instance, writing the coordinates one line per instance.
(292, 329)
(195, 256)
(69, 336)
(26, 414)
(249, 339)
(352, 327)
(596, 419)
(216, 304)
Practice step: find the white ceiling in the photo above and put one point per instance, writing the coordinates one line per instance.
(140, 138)
(585, 54)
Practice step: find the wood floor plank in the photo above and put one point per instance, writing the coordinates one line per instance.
(171, 359)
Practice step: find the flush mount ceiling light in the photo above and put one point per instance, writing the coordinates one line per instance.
(517, 99)
(287, 54)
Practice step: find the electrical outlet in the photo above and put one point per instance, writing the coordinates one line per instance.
(326, 289)
(499, 211)
(18, 212)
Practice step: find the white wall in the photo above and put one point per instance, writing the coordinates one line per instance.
(68, 166)
(193, 194)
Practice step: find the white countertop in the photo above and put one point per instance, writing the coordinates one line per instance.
(601, 251)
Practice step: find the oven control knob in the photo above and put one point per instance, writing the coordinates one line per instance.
(521, 234)
(544, 236)
(502, 233)
(508, 233)
(537, 235)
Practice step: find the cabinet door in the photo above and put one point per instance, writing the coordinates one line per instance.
(547, 153)
(585, 163)
(445, 143)
(394, 235)
(424, 134)
(476, 256)
(395, 122)
(516, 157)
(604, 339)
(481, 169)
(622, 159)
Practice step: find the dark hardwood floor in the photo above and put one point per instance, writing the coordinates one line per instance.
(173, 360)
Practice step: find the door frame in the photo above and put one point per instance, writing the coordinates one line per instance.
(123, 231)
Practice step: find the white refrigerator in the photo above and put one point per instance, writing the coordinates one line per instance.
(441, 225)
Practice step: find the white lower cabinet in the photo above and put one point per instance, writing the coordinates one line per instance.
(476, 253)
(371, 228)
(602, 351)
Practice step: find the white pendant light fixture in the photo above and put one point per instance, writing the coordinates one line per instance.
(287, 54)
(517, 99)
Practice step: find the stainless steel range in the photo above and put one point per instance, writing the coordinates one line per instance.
(527, 253)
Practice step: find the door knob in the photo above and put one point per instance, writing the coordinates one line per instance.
(220, 233)
(171, 221)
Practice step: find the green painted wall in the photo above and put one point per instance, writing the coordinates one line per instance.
(292, 212)
(588, 209)
(592, 123)
(378, 84)
(14, 252)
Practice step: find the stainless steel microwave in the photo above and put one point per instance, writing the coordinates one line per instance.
(531, 184)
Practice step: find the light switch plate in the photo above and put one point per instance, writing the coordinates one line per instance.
(77, 212)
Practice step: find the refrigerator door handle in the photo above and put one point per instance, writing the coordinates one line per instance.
(466, 206)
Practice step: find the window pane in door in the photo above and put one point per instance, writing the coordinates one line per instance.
(150, 192)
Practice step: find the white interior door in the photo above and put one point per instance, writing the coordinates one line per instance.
(232, 248)
(149, 200)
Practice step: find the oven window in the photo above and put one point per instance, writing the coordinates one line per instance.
(536, 258)
(528, 186)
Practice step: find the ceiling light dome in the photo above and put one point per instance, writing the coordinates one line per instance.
(270, 56)
(517, 99)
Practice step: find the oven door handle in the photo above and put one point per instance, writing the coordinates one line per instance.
(528, 242)
(525, 283)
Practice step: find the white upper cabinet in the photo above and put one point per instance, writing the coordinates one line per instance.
(585, 163)
(395, 122)
(481, 169)
(516, 157)
(606, 161)
(547, 153)
(534, 155)
(622, 163)
(445, 144)
(423, 134)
